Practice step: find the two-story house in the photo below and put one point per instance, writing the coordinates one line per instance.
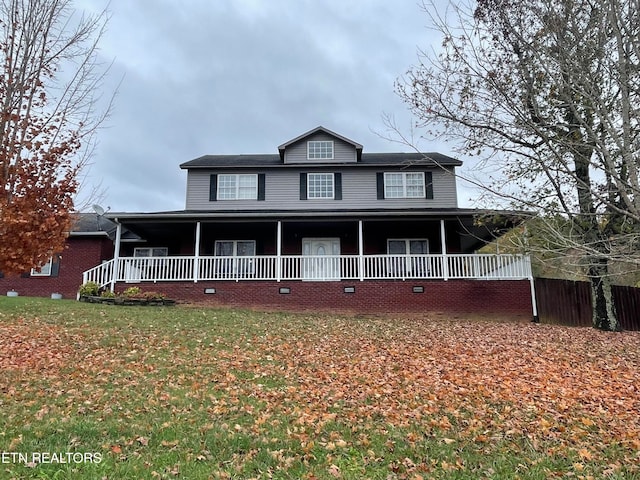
(320, 223)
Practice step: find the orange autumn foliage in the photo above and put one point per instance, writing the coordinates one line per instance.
(47, 112)
(35, 211)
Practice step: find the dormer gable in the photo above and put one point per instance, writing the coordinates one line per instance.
(320, 146)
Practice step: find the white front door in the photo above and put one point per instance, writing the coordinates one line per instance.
(324, 261)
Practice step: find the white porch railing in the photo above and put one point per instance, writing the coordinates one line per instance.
(313, 268)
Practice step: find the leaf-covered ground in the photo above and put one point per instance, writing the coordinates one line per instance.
(204, 393)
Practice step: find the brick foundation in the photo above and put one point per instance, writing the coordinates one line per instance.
(486, 297)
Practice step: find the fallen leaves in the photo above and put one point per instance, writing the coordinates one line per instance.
(25, 345)
(484, 378)
(313, 391)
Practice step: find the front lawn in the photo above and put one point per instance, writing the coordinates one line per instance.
(96, 391)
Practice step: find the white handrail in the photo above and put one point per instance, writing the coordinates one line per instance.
(313, 268)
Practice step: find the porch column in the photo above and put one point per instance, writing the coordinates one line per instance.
(360, 250)
(196, 255)
(443, 243)
(116, 255)
(279, 251)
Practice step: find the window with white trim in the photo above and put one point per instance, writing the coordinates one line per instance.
(237, 258)
(407, 257)
(408, 246)
(235, 248)
(320, 149)
(404, 185)
(237, 187)
(44, 270)
(320, 185)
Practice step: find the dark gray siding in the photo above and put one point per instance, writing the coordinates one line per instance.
(282, 191)
(343, 152)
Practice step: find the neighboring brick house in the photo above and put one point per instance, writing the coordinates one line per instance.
(89, 243)
(321, 224)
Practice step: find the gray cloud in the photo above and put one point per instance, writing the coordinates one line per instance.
(220, 77)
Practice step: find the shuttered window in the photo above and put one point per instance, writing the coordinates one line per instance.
(320, 186)
(404, 185)
(236, 187)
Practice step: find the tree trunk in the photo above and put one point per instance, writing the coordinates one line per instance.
(604, 310)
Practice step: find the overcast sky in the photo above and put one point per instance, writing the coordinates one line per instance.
(244, 76)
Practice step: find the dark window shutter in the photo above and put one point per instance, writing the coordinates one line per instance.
(380, 185)
(337, 186)
(428, 178)
(55, 266)
(261, 183)
(303, 186)
(25, 275)
(213, 187)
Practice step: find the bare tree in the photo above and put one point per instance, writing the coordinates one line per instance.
(548, 92)
(50, 89)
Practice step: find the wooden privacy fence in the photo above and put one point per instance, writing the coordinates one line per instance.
(565, 302)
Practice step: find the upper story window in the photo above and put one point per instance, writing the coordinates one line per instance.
(320, 149)
(320, 185)
(404, 185)
(237, 187)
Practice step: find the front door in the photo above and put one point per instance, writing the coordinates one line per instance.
(324, 258)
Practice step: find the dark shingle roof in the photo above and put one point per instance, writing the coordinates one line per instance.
(274, 161)
(208, 161)
(91, 223)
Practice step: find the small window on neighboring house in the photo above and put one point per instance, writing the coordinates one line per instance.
(320, 185)
(320, 149)
(151, 252)
(44, 270)
(237, 187)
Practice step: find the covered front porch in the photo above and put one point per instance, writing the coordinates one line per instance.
(176, 247)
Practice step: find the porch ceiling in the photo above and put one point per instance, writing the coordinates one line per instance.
(473, 234)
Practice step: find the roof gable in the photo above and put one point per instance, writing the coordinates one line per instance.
(282, 147)
(348, 154)
(320, 130)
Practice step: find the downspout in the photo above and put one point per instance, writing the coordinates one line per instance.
(443, 243)
(116, 255)
(196, 255)
(361, 250)
(532, 283)
(279, 251)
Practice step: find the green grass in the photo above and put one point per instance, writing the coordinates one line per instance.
(197, 393)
